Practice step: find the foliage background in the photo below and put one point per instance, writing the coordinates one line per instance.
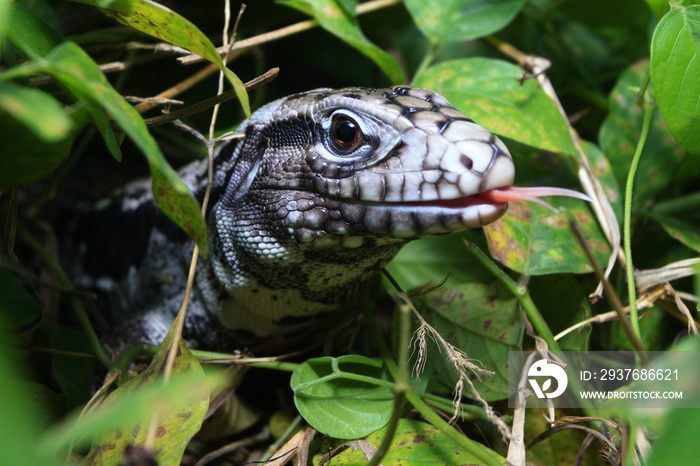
(599, 53)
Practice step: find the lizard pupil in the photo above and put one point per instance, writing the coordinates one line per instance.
(346, 134)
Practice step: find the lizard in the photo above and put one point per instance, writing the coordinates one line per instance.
(321, 192)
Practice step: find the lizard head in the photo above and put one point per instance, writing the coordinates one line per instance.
(351, 166)
(396, 163)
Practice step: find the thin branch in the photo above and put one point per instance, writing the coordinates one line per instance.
(212, 101)
(286, 31)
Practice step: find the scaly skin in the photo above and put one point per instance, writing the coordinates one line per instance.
(323, 190)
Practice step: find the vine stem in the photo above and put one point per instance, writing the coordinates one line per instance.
(521, 294)
(401, 386)
(627, 221)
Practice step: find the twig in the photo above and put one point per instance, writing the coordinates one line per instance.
(286, 31)
(261, 436)
(609, 292)
(212, 101)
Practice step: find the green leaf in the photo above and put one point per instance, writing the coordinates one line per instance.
(71, 66)
(5, 7)
(25, 157)
(40, 112)
(19, 309)
(563, 448)
(675, 67)
(162, 23)
(340, 397)
(19, 423)
(489, 92)
(533, 240)
(31, 35)
(621, 130)
(415, 443)
(432, 260)
(659, 7)
(673, 428)
(342, 22)
(684, 232)
(462, 20)
(73, 374)
(177, 423)
(484, 321)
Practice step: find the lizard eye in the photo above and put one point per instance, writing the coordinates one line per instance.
(345, 134)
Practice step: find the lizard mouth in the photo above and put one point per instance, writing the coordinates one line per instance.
(502, 195)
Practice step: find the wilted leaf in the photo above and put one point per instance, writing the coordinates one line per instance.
(176, 425)
(533, 240)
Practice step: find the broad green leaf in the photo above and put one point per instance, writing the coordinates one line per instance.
(415, 443)
(177, 423)
(461, 20)
(31, 35)
(483, 320)
(162, 23)
(489, 92)
(533, 240)
(40, 112)
(339, 18)
(19, 309)
(429, 261)
(659, 7)
(619, 135)
(675, 67)
(71, 66)
(684, 232)
(340, 397)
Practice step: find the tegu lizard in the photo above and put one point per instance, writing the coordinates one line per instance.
(322, 191)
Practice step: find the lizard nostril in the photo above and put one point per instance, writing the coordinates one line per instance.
(466, 161)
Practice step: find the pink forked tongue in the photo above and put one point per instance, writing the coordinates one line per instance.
(513, 193)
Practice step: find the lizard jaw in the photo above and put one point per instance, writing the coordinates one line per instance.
(503, 195)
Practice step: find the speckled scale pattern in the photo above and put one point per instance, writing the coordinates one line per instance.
(300, 221)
